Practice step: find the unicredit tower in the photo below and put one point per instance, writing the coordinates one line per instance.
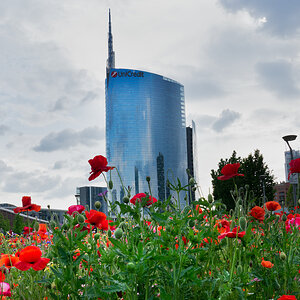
(145, 129)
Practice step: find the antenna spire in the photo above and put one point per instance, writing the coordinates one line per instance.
(111, 54)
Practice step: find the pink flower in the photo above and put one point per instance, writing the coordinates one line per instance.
(75, 208)
(5, 289)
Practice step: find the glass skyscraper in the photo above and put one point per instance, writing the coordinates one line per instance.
(145, 129)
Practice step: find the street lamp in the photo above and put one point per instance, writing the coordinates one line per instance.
(77, 196)
(262, 179)
(287, 139)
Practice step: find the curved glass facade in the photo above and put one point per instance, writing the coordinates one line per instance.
(145, 131)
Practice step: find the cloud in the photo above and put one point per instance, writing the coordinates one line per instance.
(3, 129)
(280, 17)
(279, 78)
(226, 118)
(4, 168)
(68, 138)
(59, 164)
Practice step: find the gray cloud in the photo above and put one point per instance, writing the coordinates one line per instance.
(4, 168)
(226, 118)
(3, 129)
(59, 164)
(282, 16)
(279, 78)
(68, 138)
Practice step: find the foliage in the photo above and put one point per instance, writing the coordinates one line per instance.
(4, 223)
(18, 224)
(257, 176)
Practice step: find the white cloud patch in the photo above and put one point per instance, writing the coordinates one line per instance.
(226, 118)
(68, 138)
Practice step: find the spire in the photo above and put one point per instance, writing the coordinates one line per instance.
(111, 54)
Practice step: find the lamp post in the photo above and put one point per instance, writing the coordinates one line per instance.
(287, 139)
(262, 179)
(77, 196)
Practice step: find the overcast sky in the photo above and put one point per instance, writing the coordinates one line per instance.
(239, 61)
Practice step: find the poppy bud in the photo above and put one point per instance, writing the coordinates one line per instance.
(243, 223)
(110, 185)
(192, 181)
(131, 266)
(239, 270)
(148, 178)
(80, 219)
(250, 263)
(65, 226)
(97, 236)
(210, 198)
(282, 256)
(194, 189)
(109, 233)
(125, 199)
(284, 217)
(118, 233)
(97, 204)
(48, 206)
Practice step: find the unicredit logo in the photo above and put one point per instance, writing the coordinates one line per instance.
(127, 74)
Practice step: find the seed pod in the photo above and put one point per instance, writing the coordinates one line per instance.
(131, 266)
(243, 223)
(194, 189)
(97, 204)
(118, 233)
(210, 198)
(282, 256)
(125, 199)
(80, 219)
(110, 185)
(192, 181)
(148, 178)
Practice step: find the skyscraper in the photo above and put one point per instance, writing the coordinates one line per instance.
(145, 129)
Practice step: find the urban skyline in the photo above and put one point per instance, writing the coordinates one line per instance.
(239, 63)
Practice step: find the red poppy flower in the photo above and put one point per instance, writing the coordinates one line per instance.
(229, 171)
(232, 234)
(31, 257)
(98, 165)
(27, 206)
(198, 208)
(8, 260)
(95, 217)
(272, 205)
(138, 197)
(105, 225)
(287, 297)
(266, 264)
(27, 230)
(258, 213)
(2, 276)
(294, 167)
(75, 208)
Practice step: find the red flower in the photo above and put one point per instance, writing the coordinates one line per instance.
(266, 264)
(27, 230)
(258, 213)
(95, 217)
(75, 208)
(287, 297)
(272, 205)
(8, 260)
(198, 208)
(31, 257)
(229, 171)
(2, 276)
(232, 234)
(294, 167)
(42, 228)
(98, 165)
(105, 224)
(140, 196)
(27, 206)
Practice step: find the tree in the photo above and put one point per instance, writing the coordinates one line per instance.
(258, 177)
(18, 224)
(4, 223)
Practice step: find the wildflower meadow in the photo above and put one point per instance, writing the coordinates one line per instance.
(150, 249)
